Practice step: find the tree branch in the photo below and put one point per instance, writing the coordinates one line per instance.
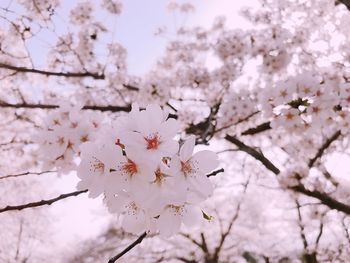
(301, 227)
(111, 108)
(260, 128)
(323, 197)
(344, 2)
(221, 170)
(26, 173)
(326, 144)
(52, 73)
(251, 151)
(42, 202)
(137, 241)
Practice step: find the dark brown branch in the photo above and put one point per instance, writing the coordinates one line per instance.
(26, 173)
(251, 151)
(347, 235)
(344, 2)
(324, 147)
(258, 129)
(319, 234)
(131, 87)
(204, 243)
(42, 202)
(53, 73)
(132, 245)
(111, 108)
(301, 226)
(323, 197)
(194, 241)
(221, 170)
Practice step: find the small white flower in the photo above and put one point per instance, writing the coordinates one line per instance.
(169, 221)
(193, 170)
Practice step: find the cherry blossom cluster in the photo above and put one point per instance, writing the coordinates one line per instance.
(306, 101)
(145, 175)
(65, 130)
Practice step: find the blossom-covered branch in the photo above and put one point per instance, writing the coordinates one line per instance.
(42, 202)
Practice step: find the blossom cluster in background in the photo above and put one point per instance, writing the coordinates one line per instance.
(65, 129)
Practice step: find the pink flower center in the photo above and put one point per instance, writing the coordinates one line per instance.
(152, 142)
(186, 168)
(130, 168)
(159, 176)
(96, 165)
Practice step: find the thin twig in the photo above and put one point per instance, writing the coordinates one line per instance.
(326, 144)
(221, 170)
(260, 128)
(132, 245)
(323, 197)
(53, 73)
(26, 173)
(251, 151)
(112, 108)
(42, 202)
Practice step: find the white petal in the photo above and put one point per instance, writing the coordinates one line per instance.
(187, 148)
(169, 148)
(192, 215)
(116, 204)
(175, 166)
(168, 223)
(135, 222)
(169, 129)
(207, 161)
(200, 188)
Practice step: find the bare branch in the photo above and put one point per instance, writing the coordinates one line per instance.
(52, 73)
(221, 170)
(191, 239)
(26, 173)
(323, 197)
(111, 108)
(132, 245)
(258, 129)
(326, 144)
(42, 202)
(301, 226)
(251, 151)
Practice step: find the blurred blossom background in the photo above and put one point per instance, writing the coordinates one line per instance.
(264, 84)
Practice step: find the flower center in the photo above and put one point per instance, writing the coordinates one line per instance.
(186, 168)
(152, 142)
(177, 210)
(130, 168)
(159, 176)
(96, 165)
